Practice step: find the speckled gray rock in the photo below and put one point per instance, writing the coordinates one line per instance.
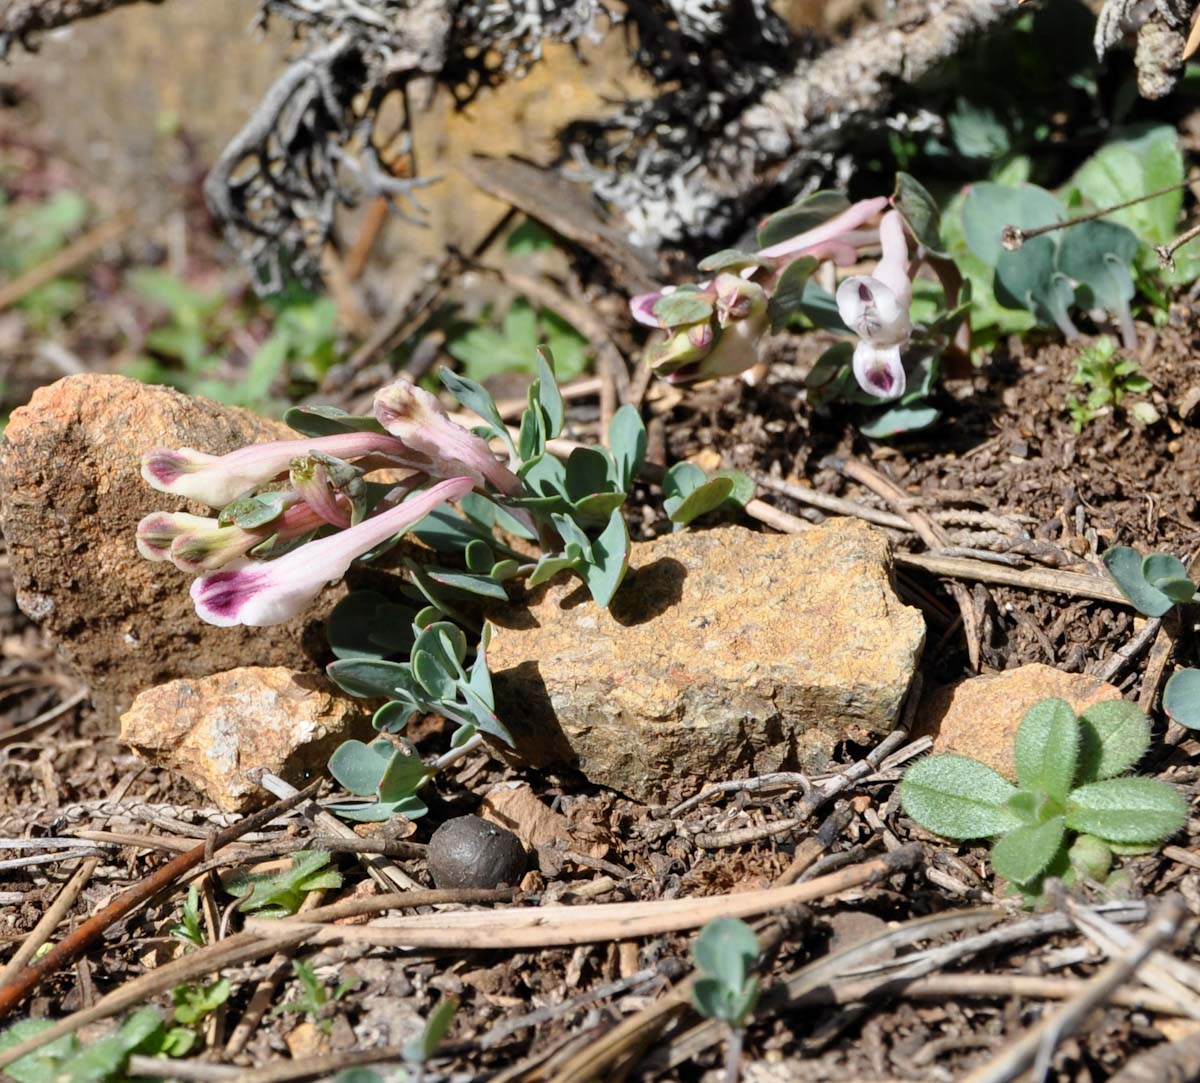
(724, 652)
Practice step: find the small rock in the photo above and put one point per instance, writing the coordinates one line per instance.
(71, 496)
(724, 652)
(979, 716)
(468, 851)
(210, 730)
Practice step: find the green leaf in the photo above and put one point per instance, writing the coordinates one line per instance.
(1167, 573)
(1181, 698)
(610, 561)
(958, 797)
(989, 207)
(194, 1002)
(366, 625)
(358, 767)
(437, 1026)
(1047, 748)
(587, 473)
(899, 419)
(1099, 255)
(685, 305)
(627, 440)
(1125, 566)
(789, 297)
(403, 777)
(549, 396)
(730, 259)
(475, 397)
(727, 949)
(41, 1065)
(920, 213)
(1114, 736)
(800, 217)
(329, 421)
(250, 512)
(710, 496)
(1139, 810)
(1024, 854)
(370, 677)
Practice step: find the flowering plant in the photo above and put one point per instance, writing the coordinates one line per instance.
(713, 328)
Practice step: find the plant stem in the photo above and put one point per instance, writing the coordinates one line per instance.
(1012, 237)
(733, 1054)
(455, 754)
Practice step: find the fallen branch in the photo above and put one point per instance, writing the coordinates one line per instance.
(21, 18)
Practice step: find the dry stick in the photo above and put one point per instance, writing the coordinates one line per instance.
(244, 947)
(385, 872)
(836, 504)
(556, 926)
(1036, 1046)
(64, 260)
(14, 991)
(928, 531)
(811, 983)
(1013, 237)
(1127, 653)
(44, 929)
(22, 731)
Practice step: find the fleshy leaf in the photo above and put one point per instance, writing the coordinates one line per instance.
(1125, 566)
(958, 797)
(727, 949)
(800, 217)
(788, 299)
(1137, 810)
(1181, 698)
(682, 307)
(920, 213)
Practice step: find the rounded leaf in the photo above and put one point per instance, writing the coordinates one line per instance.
(727, 949)
(1181, 698)
(358, 767)
(1125, 566)
(958, 797)
(1139, 810)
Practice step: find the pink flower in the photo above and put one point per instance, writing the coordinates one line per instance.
(417, 418)
(261, 593)
(875, 307)
(216, 480)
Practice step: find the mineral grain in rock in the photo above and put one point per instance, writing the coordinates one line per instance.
(724, 652)
(979, 716)
(71, 496)
(211, 730)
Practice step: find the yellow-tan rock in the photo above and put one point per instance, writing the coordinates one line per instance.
(71, 496)
(211, 730)
(724, 652)
(979, 716)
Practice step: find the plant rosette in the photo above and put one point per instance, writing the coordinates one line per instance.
(1073, 807)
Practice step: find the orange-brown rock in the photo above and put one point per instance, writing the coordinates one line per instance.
(724, 652)
(71, 495)
(211, 730)
(979, 716)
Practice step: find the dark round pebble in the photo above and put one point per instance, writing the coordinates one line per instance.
(468, 851)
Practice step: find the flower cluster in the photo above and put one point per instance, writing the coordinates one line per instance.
(303, 504)
(713, 328)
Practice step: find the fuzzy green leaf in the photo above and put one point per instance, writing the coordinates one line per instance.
(1047, 748)
(1137, 810)
(958, 797)
(1024, 854)
(1114, 735)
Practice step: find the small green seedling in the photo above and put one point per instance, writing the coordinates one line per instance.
(1067, 772)
(67, 1060)
(193, 1004)
(725, 954)
(416, 1052)
(690, 492)
(1181, 698)
(281, 894)
(1108, 379)
(1153, 583)
(314, 999)
(190, 927)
